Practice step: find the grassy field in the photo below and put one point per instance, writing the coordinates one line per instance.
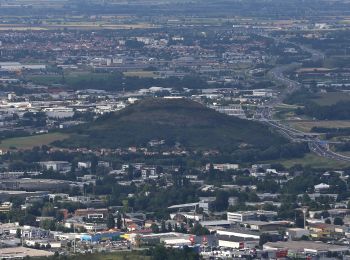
(84, 75)
(22, 28)
(331, 98)
(31, 141)
(286, 106)
(46, 79)
(69, 78)
(87, 25)
(284, 114)
(82, 26)
(141, 74)
(306, 126)
(314, 161)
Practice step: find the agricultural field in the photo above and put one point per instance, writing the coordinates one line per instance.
(6, 27)
(307, 125)
(29, 142)
(96, 26)
(79, 25)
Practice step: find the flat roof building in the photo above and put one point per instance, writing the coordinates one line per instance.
(243, 216)
(298, 248)
(22, 252)
(28, 184)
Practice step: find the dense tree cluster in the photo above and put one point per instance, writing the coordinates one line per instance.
(338, 111)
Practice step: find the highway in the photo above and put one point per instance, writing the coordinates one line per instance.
(316, 145)
(265, 114)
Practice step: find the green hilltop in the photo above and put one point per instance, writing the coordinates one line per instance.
(176, 121)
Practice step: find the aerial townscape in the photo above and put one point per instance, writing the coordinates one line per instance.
(174, 129)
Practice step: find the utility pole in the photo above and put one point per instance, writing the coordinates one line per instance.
(74, 248)
(304, 215)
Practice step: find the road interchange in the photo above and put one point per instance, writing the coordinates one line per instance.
(265, 114)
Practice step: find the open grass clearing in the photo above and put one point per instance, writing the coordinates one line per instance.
(284, 113)
(141, 74)
(46, 79)
(307, 125)
(28, 142)
(314, 161)
(69, 77)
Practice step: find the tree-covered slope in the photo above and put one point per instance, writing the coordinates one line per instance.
(175, 121)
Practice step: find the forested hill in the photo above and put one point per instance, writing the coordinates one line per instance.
(175, 121)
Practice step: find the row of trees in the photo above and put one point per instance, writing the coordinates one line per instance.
(338, 111)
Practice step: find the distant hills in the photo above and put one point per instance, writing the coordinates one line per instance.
(176, 121)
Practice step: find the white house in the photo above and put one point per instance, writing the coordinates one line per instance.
(321, 187)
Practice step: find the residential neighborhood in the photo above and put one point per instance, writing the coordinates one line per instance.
(174, 129)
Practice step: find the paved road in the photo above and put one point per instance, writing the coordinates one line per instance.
(316, 145)
(264, 114)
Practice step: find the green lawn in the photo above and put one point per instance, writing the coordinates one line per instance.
(69, 78)
(284, 113)
(46, 79)
(141, 74)
(29, 142)
(314, 161)
(84, 75)
(306, 126)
